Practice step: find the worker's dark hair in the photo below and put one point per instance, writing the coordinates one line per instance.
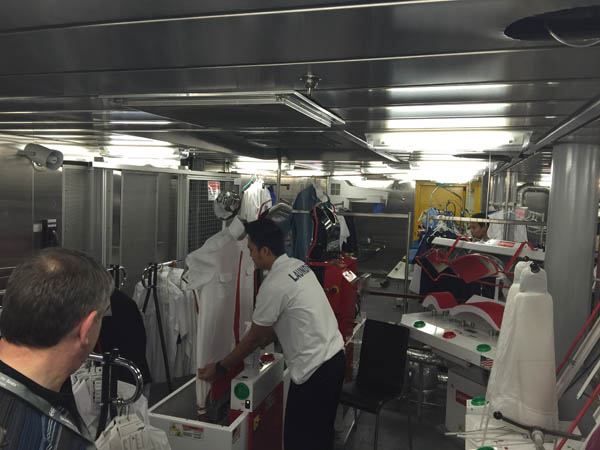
(49, 294)
(265, 233)
(480, 216)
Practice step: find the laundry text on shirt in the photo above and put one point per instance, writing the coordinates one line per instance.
(299, 272)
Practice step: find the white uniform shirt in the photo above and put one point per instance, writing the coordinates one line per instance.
(292, 301)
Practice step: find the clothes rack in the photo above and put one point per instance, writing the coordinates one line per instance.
(110, 399)
(150, 281)
(119, 274)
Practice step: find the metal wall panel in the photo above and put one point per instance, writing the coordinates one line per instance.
(138, 223)
(77, 216)
(16, 197)
(116, 217)
(47, 200)
(166, 244)
(102, 200)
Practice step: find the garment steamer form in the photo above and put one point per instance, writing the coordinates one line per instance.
(524, 385)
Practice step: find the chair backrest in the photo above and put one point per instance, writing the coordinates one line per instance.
(383, 356)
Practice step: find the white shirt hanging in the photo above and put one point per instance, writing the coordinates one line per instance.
(213, 271)
(255, 200)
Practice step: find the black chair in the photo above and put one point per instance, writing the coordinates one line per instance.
(381, 370)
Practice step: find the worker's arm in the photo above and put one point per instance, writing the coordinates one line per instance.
(257, 336)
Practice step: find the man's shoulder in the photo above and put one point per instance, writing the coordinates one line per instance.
(289, 270)
(23, 414)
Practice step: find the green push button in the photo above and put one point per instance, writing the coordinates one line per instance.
(485, 448)
(419, 324)
(483, 348)
(241, 391)
(478, 401)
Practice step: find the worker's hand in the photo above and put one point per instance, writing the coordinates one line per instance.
(208, 373)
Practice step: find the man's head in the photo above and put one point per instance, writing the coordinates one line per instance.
(265, 242)
(479, 229)
(58, 296)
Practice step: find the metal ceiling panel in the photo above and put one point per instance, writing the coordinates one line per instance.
(480, 67)
(383, 66)
(468, 110)
(539, 90)
(246, 39)
(31, 15)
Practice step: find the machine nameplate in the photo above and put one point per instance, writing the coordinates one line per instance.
(186, 431)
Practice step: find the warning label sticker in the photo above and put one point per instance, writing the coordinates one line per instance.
(486, 363)
(214, 187)
(186, 431)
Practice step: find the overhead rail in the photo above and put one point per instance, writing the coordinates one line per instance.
(478, 220)
(580, 118)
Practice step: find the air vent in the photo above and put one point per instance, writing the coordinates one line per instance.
(576, 25)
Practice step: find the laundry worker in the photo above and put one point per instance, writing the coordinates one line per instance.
(479, 229)
(51, 318)
(292, 306)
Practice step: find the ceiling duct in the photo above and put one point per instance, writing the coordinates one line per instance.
(578, 25)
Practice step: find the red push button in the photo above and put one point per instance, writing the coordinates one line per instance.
(267, 358)
(449, 335)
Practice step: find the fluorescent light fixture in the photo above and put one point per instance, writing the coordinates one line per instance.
(381, 170)
(346, 173)
(305, 173)
(487, 88)
(250, 164)
(447, 123)
(138, 122)
(545, 180)
(454, 108)
(446, 142)
(254, 171)
(362, 182)
(454, 171)
(126, 139)
(161, 163)
(138, 152)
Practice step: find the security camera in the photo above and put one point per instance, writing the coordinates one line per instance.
(52, 159)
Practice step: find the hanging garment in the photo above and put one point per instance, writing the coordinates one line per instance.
(351, 244)
(524, 382)
(302, 224)
(518, 233)
(273, 195)
(344, 231)
(124, 330)
(174, 307)
(256, 200)
(129, 433)
(222, 273)
(87, 398)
